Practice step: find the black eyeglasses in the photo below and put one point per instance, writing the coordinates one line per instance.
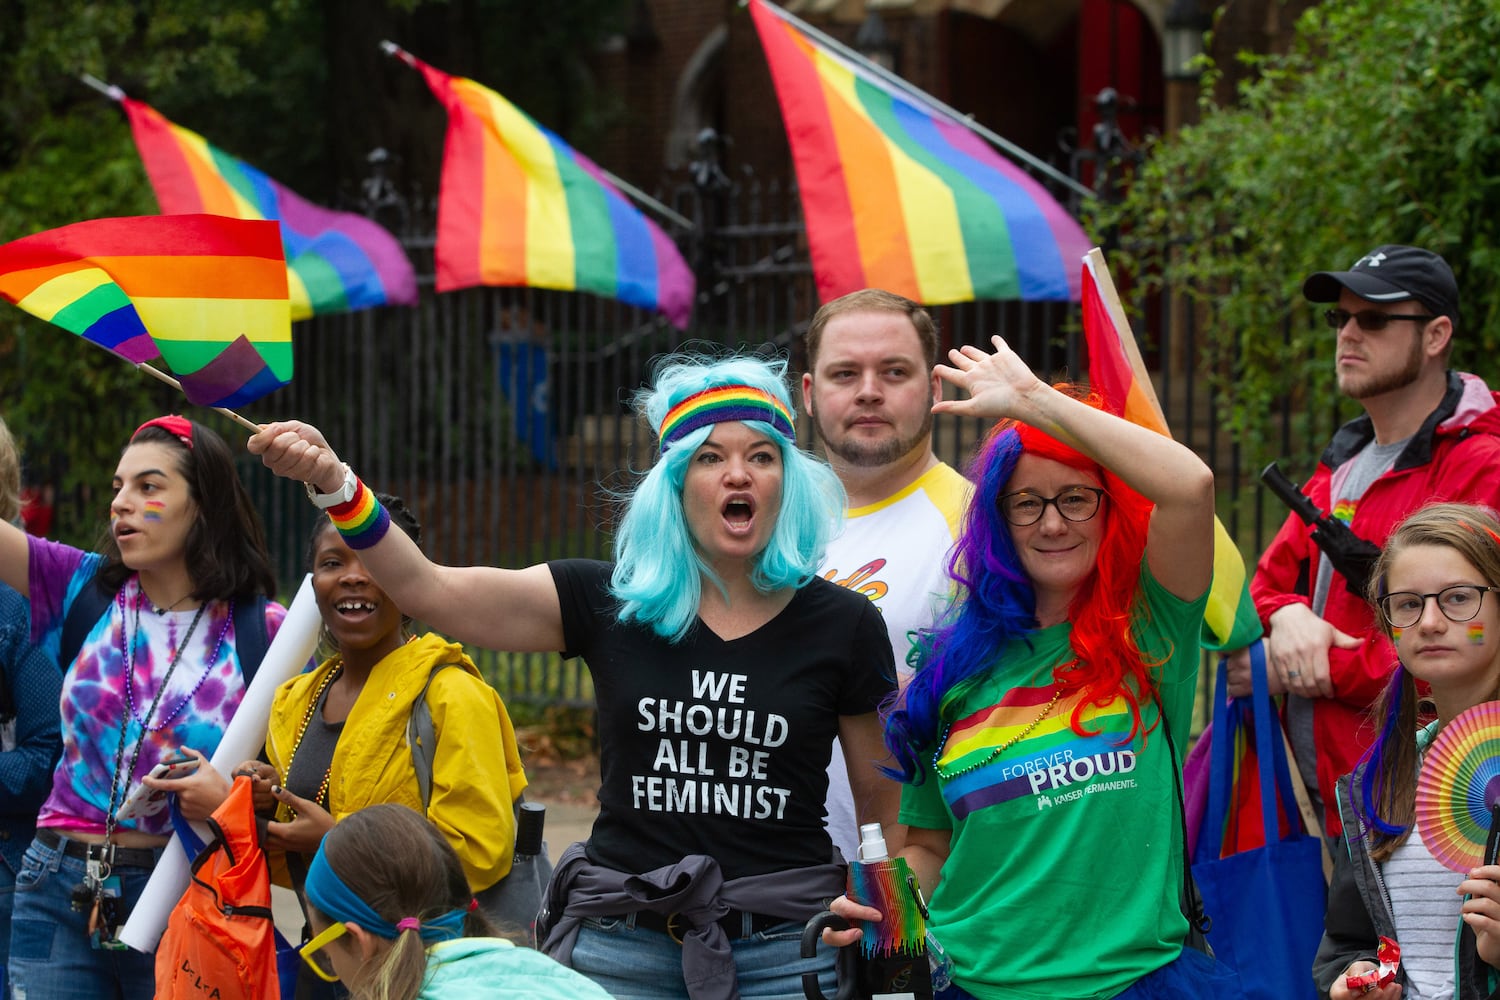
(1075, 503)
(1459, 603)
(1369, 320)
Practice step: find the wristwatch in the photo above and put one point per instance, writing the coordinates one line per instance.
(345, 493)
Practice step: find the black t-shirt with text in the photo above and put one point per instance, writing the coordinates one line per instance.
(714, 747)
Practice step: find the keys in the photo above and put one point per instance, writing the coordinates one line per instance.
(93, 872)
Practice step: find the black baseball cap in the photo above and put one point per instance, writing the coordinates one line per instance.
(1392, 273)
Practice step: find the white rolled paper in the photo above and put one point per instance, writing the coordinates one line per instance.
(243, 740)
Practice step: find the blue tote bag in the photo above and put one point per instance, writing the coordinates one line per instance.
(1266, 903)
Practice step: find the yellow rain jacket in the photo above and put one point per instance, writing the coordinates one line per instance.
(476, 770)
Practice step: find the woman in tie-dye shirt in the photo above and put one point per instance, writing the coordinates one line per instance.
(1039, 792)
(157, 671)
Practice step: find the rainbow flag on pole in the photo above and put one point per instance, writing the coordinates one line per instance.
(518, 206)
(336, 261)
(898, 196)
(1118, 373)
(206, 294)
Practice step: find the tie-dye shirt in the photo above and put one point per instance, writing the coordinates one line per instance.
(1063, 873)
(200, 697)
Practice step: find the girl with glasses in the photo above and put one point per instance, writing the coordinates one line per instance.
(1432, 589)
(393, 918)
(1034, 738)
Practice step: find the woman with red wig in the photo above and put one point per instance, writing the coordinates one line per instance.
(1039, 792)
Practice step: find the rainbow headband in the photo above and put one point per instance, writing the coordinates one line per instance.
(722, 403)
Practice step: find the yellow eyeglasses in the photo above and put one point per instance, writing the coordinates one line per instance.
(312, 952)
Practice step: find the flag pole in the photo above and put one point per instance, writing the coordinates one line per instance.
(392, 49)
(967, 121)
(109, 90)
(157, 373)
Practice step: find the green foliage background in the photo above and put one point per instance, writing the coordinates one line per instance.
(1380, 125)
(296, 87)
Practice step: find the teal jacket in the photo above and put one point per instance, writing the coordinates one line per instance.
(494, 969)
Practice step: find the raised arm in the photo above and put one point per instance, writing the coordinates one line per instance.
(504, 609)
(1179, 546)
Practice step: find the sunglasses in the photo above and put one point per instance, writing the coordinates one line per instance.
(1369, 320)
(312, 952)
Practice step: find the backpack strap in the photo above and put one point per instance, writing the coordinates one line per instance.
(251, 639)
(87, 608)
(422, 738)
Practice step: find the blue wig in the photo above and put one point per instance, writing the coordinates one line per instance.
(659, 573)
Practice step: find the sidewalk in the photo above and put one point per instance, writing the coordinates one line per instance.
(567, 822)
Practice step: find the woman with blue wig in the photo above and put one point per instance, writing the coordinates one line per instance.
(723, 668)
(1034, 735)
(392, 917)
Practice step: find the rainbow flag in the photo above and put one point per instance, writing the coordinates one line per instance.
(518, 206)
(206, 294)
(336, 261)
(898, 196)
(1118, 373)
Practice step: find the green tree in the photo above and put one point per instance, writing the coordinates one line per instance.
(1380, 125)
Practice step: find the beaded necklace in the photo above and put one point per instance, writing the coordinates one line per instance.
(994, 751)
(321, 798)
(119, 782)
(128, 653)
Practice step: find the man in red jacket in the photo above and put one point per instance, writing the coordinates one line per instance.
(1427, 434)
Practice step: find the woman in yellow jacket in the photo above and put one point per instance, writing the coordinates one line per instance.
(337, 737)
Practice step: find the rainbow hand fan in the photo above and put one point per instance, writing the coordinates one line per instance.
(1459, 789)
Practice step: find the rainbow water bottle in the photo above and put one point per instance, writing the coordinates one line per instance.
(893, 952)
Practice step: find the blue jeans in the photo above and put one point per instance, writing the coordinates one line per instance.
(50, 954)
(7, 898)
(632, 963)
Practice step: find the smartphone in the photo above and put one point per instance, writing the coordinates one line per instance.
(144, 801)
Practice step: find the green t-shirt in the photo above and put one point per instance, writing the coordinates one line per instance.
(1066, 859)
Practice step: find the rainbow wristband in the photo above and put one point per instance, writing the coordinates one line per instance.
(362, 521)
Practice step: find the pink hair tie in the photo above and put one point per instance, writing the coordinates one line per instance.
(473, 905)
(408, 924)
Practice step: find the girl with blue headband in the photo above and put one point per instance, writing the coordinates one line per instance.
(393, 919)
(1034, 735)
(723, 668)
(1434, 589)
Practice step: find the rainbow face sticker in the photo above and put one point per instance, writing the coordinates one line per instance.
(1396, 634)
(154, 509)
(1476, 634)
